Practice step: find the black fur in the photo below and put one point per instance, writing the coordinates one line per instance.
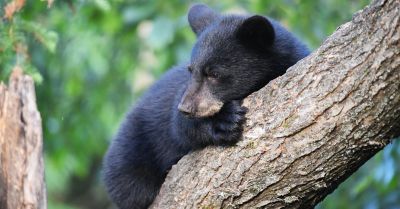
(233, 57)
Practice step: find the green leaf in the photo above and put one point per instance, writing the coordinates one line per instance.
(361, 186)
(46, 37)
(103, 5)
(162, 34)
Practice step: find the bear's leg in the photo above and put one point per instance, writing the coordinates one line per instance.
(227, 125)
(224, 128)
(131, 185)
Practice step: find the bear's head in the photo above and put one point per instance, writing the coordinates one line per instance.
(234, 56)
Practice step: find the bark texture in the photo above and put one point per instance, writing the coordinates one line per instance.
(308, 130)
(21, 161)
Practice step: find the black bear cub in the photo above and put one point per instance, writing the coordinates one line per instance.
(197, 104)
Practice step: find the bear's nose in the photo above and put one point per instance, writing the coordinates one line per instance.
(185, 109)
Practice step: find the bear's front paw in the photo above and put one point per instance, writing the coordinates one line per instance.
(228, 126)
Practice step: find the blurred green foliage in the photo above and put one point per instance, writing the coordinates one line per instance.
(92, 58)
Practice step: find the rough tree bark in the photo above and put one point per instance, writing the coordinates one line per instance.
(308, 130)
(21, 161)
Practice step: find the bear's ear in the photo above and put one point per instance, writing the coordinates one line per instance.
(256, 32)
(200, 16)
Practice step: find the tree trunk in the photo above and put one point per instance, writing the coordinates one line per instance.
(21, 161)
(308, 130)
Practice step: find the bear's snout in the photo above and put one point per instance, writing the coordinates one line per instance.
(185, 109)
(199, 104)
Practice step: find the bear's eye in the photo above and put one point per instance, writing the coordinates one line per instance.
(213, 75)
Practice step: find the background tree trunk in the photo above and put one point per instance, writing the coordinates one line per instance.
(308, 130)
(21, 161)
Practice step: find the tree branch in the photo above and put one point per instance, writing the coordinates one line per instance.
(308, 130)
(21, 159)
